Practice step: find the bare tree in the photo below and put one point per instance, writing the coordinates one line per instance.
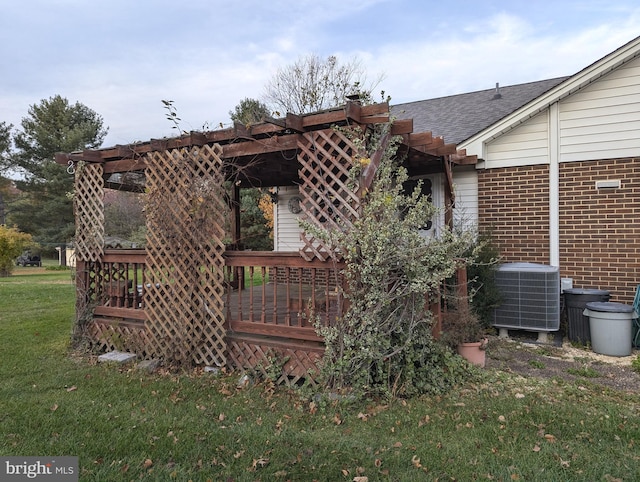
(311, 84)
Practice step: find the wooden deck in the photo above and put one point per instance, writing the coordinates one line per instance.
(267, 293)
(271, 302)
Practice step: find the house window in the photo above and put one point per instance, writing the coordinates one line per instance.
(409, 187)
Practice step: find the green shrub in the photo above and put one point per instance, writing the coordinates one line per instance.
(482, 287)
(12, 244)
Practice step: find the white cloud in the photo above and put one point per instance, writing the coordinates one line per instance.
(122, 58)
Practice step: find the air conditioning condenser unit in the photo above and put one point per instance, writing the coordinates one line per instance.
(530, 297)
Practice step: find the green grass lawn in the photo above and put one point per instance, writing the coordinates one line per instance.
(126, 424)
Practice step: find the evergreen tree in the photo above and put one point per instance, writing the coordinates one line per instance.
(45, 209)
(254, 230)
(249, 111)
(5, 144)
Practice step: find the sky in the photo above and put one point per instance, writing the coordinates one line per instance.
(121, 58)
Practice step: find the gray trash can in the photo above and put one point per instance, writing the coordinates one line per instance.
(575, 300)
(611, 326)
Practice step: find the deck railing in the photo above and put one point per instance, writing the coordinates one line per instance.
(267, 293)
(116, 284)
(280, 294)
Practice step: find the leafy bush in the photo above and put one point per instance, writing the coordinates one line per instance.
(482, 288)
(383, 343)
(12, 244)
(461, 325)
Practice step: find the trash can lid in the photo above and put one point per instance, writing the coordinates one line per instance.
(581, 291)
(609, 307)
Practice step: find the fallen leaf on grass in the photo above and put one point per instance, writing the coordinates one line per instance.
(550, 438)
(361, 479)
(147, 463)
(72, 389)
(54, 407)
(259, 463)
(424, 420)
(536, 448)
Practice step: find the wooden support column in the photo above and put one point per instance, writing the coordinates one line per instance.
(235, 218)
(449, 195)
(238, 281)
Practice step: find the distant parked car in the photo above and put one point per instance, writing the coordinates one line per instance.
(28, 259)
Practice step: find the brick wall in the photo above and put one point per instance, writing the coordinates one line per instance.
(514, 204)
(600, 228)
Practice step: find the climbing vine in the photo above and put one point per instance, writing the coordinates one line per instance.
(383, 343)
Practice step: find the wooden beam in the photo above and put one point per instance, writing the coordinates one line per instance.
(111, 311)
(159, 144)
(90, 155)
(197, 138)
(294, 122)
(402, 126)
(353, 111)
(375, 109)
(270, 329)
(446, 149)
(62, 158)
(260, 146)
(420, 139)
(461, 158)
(124, 165)
(323, 118)
(240, 130)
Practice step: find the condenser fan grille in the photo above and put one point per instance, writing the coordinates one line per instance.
(530, 297)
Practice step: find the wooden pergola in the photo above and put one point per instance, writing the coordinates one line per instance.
(191, 295)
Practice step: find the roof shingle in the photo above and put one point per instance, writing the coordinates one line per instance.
(458, 117)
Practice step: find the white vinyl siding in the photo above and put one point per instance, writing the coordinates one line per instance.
(286, 231)
(527, 144)
(602, 121)
(465, 213)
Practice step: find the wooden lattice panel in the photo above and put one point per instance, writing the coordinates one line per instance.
(89, 212)
(299, 363)
(186, 212)
(325, 158)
